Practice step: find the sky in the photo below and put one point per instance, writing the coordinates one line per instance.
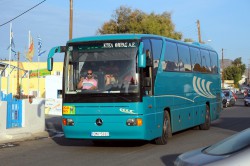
(224, 24)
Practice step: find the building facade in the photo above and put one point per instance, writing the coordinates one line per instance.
(30, 83)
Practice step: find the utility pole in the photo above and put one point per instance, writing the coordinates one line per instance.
(199, 31)
(222, 65)
(70, 19)
(18, 75)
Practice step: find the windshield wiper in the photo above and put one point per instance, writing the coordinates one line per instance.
(124, 98)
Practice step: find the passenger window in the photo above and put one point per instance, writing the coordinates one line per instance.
(195, 59)
(157, 49)
(171, 57)
(148, 51)
(214, 62)
(184, 58)
(206, 66)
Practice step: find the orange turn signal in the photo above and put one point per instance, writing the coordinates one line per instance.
(139, 122)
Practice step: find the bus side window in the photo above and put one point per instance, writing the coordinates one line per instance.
(147, 86)
(214, 62)
(195, 59)
(149, 61)
(171, 57)
(156, 52)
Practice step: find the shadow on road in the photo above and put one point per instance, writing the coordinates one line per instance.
(62, 141)
(53, 124)
(168, 160)
(234, 124)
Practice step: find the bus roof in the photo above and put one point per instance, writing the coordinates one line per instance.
(134, 36)
(111, 37)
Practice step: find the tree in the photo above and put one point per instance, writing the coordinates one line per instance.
(188, 40)
(237, 62)
(126, 20)
(235, 71)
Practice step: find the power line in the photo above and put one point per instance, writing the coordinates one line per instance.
(22, 13)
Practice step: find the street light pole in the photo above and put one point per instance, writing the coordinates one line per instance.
(248, 71)
(70, 19)
(222, 63)
(199, 31)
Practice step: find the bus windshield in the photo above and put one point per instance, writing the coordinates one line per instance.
(102, 67)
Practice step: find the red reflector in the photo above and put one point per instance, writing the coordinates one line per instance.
(64, 121)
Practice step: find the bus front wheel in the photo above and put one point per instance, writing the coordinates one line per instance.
(166, 130)
(206, 124)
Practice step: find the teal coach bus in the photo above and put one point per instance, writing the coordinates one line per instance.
(159, 86)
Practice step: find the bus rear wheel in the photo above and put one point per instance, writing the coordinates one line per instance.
(207, 123)
(166, 130)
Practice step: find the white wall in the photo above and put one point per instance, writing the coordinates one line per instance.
(53, 104)
(3, 117)
(52, 85)
(33, 119)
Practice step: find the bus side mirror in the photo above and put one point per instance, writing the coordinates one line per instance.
(141, 57)
(58, 49)
(50, 64)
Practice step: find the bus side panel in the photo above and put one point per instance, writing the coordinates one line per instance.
(197, 111)
(154, 117)
(160, 106)
(175, 120)
(215, 107)
(186, 95)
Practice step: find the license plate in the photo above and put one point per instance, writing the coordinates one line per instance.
(99, 134)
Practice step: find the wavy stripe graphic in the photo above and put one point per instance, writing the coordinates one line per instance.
(208, 88)
(195, 87)
(202, 87)
(205, 88)
(199, 87)
(175, 97)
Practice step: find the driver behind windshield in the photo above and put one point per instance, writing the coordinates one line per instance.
(88, 83)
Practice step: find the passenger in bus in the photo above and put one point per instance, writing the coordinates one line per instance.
(130, 78)
(88, 83)
(110, 79)
(111, 71)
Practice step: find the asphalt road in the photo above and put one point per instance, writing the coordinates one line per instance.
(56, 150)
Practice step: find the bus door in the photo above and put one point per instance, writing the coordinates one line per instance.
(152, 50)
(147, 72)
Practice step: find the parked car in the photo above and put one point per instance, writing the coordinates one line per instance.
(247, 99)
(230, 98)
(242, 90)
(231, 151)
(223, 100)
(247, 90)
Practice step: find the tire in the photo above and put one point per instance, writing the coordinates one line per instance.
(207, 123)
(166, 130)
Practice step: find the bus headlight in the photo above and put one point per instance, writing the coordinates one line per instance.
(68, 122)
(134, 122)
